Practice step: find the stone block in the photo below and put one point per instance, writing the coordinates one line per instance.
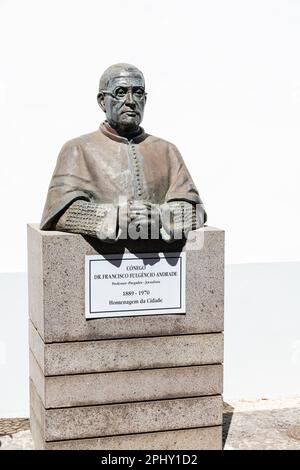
(125, 354)
(126, 418)
(207, 438)
(127, 386)
(36, 432)
(56, 288)
(35, 277)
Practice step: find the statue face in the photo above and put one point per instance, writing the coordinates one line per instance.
(124, 100)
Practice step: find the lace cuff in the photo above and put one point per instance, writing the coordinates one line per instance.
(89, 218)
(180, 217)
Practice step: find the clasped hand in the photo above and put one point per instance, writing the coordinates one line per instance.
(140, 215)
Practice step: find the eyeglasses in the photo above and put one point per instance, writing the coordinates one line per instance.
(120, 93)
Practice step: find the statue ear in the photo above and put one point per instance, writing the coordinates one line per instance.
(101, 101)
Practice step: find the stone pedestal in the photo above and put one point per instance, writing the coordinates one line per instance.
(141, 382)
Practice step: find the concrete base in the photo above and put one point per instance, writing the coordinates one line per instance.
(151, 382)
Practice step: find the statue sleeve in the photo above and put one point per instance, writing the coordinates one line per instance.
(89, 218)
(178, 218)
(183, 209)
(70, 181)
(181, 185)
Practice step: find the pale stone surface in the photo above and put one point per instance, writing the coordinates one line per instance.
(37, 347)
(61, 289)
(263, 430)
(188, 439)
(37, 379)
(138, 380)
(264, 424)
(36, 427)
(125, 354)
(22, 440)
(207, 438)
(35, 277)
(127, 386)
(133, 418)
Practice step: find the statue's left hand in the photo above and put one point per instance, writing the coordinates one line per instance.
(145, 215)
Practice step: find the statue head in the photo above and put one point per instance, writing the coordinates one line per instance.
(122, 97)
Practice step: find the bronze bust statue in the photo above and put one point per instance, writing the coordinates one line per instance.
(120, 182)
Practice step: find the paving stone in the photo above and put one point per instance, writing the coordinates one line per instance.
(13, 425)
(21, 440)
(262, 424)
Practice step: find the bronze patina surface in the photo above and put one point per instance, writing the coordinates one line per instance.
(119, 180)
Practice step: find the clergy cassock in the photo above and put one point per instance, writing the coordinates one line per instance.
(105, 168)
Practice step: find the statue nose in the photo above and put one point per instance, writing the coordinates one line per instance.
(129, 97)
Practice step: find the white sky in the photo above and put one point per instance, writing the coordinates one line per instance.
(223, 80)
